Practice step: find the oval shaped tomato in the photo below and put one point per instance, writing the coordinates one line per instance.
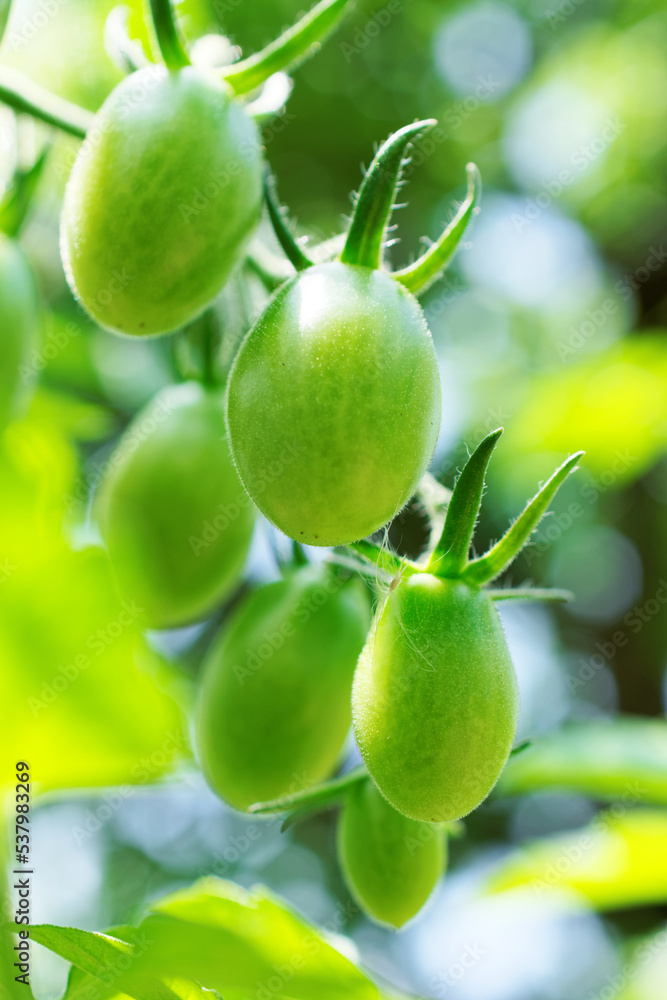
(334, 404)
(164, 194)
(435, 700)
(274, 704)
(19, 326)
(175, 517)
(391, 863)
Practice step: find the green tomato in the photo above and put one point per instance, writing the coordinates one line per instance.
(435, 700)
(163, 196)
(175, 517)
(391, 863)
(274, 703)
(334, 404)
(19, 326)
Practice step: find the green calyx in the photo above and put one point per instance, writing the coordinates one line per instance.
(448, 555)
(366, 237)
(450, 558)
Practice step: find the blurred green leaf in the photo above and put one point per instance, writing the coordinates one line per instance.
(233, 941)
(82, 695)
(613, 406)
(644, 973)
(621, 759)
(618, 860)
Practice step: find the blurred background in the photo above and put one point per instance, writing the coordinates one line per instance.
(551, 322)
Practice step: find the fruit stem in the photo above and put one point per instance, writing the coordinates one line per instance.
(451, 552)
(313, 799)
(290, 49)
(16, 203)
(488, 566)
(428, 268)
(293, 251)
(530, 594)
(26, 97)
(375, 201)
(5, 8)
(167, 34)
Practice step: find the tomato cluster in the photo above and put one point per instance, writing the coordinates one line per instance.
(326, 423)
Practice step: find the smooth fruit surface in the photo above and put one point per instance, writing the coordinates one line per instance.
(19, 325)
(165, 192)
(175, 517)
(334, 404)
(391, 863)
(435, 701)
(274, 703)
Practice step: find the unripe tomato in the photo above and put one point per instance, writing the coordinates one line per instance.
(435, 700)
(19, 325)
(163, 196)
(391, 863)
(334, 403)
(174, 515)
(274, 703)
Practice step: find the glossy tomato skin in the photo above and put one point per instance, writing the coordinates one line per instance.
(19, 326)
(175, 517)
(163, 196)
(334, 404)
(274, 704)
(435, 701)
(391, 863)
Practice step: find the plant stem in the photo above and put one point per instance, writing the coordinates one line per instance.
(288, 50)
(171, 47)
(421, 275)
(530, 594)
(26, 97)
(312, 799)
(293, 251)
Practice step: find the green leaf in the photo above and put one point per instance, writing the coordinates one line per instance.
(238, 942)
(418, 277)
(375, 201)
(451, 552)
(82, 695)
(622, 759)
(498, 558)
(289, 50)
(619, 860)
(16, 203)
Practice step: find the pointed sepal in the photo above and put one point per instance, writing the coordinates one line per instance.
(419, 276)
(498, 558)
(545, 594)
(15, 205)
(375, 202)
(292, 250)
(290, 49)
(450, 555)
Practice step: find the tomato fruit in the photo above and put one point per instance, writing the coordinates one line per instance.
(274, 703)
(335, 390)
(175, 517)
(165, 192)
(19, 325)
(435, 700)
(391, 863)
